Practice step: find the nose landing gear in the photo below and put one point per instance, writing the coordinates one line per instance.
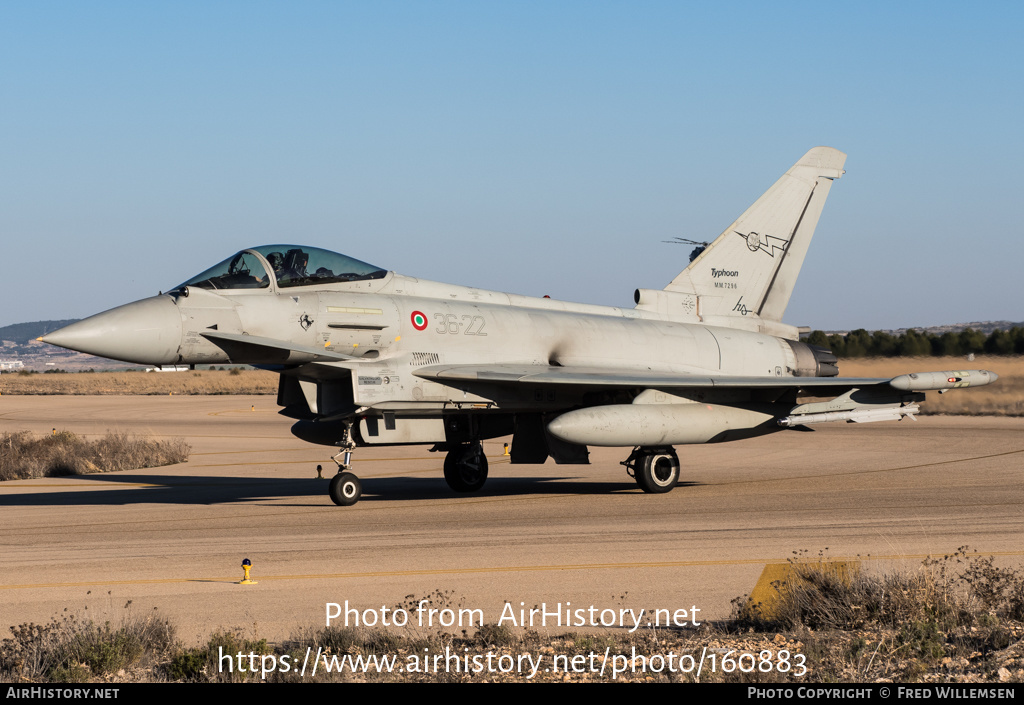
(345, 488)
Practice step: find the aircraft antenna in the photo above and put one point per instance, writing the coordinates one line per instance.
(700, 246)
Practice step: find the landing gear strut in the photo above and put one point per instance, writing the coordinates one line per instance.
(465, 467)
(656, 470)
(345, 488)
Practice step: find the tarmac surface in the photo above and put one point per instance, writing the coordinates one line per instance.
(172, 539)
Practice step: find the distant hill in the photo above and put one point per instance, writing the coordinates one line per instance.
(985, 327)
(23, 332)
(18, 343)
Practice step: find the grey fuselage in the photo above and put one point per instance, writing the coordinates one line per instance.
(373, 322)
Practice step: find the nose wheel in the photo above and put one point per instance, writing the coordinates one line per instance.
(345, 489)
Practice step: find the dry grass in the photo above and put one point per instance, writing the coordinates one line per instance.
(1005, 397)
(24, 455)
(151, 383)
(74, 650)
(952, 592)
(959, 609)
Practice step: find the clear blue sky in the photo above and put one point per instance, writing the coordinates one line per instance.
(535, 147)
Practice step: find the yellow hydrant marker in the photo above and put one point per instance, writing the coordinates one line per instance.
(246, 565)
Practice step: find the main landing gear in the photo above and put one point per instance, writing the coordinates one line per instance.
(345, 488)
(656, 470)
(465, 467)
(465, 470)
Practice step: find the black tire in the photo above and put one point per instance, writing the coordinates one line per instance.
(465, 468)
(658, 471)
(345, 489)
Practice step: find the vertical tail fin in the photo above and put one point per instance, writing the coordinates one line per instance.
(751, 268)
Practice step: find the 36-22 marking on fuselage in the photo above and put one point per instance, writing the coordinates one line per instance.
(450, 324)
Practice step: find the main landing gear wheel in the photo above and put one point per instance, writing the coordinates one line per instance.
(345, 489)
(465, 468)
(656, 470)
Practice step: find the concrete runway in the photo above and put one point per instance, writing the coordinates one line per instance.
(173, 538)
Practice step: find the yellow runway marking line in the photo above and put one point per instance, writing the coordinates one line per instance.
(498, 460)
(866, 472)
(151, 525)
(220, 435)
(158, 434)
(239, 411)
(357, 461)
(305, 448)
(160, 525)
(776, 563)
(394, 573)
(254, 462)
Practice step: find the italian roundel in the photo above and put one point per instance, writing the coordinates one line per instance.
(419, 321)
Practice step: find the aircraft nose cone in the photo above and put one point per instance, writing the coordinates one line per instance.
(146, 332)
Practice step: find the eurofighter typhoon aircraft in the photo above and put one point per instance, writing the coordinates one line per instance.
(369, 357)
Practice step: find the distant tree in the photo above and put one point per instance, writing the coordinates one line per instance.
(858, 343)
(837, 344)
(971, 341)
(883, 344)
(913, 344)
(818, 338)
(947, 344)
(1017, 333)
(1000, 342)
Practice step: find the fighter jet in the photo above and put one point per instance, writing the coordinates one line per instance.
(369, 357)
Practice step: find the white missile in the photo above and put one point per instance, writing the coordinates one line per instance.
(894, 413)
(951, 379)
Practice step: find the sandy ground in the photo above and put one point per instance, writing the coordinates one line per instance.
(173, 538)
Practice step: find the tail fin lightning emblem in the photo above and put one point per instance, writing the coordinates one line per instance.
(757, 242)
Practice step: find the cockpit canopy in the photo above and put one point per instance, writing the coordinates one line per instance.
(288, 265)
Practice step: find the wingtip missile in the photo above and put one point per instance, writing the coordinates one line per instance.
(950, 379)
